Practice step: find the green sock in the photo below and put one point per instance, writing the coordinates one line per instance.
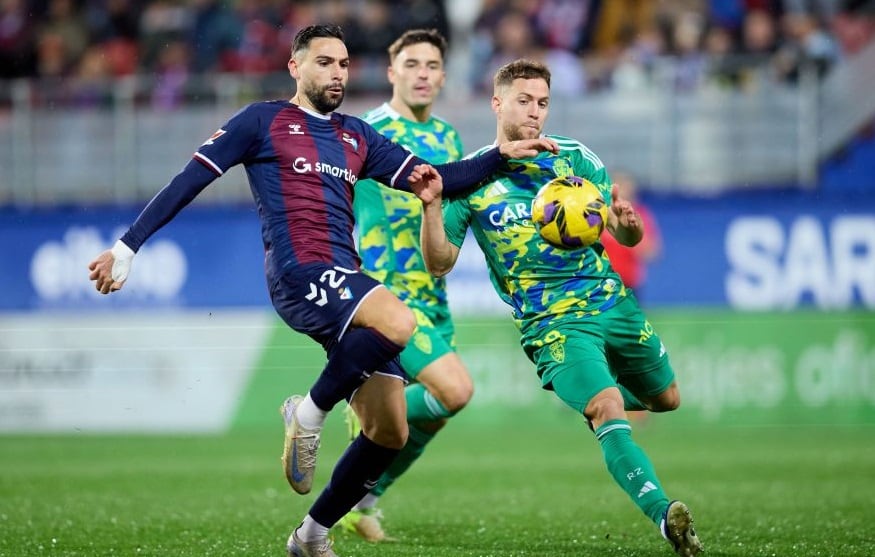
(422, 406)
(631, 468)
(630, 401)
(416, 442)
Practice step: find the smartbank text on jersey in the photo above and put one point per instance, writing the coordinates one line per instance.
(302, 165)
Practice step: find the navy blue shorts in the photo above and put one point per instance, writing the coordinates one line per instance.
(319, 300)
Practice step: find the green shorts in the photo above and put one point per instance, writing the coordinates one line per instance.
(580, 358)
(434, 336)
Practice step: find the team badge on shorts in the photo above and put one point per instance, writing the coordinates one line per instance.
(422, 342)
(557, 351)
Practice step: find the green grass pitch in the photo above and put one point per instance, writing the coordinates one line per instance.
(506, 489)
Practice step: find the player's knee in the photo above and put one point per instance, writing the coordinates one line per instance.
(668, 400)
(391, 436)
(605, 406)
(457, 397)
(399, 324)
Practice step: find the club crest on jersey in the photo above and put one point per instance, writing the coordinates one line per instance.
(295, 129)
(351, 140)
(562, 168)
(216, 135)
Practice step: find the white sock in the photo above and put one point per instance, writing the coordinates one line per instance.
(309, 415)
(369, 501)
(310, 530)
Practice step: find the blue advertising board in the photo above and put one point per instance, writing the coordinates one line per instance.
(758, 251)
(206, 257)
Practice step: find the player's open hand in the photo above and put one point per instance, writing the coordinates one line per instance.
(426, 183)
(527, 148)
(624, 211)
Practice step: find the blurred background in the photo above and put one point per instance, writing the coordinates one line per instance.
(745, 129)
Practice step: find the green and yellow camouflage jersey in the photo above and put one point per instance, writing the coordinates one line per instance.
(543, 284)
(389, 220)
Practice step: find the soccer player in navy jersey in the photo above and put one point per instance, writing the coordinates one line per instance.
(303, 160)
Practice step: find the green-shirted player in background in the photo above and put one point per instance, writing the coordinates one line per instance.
(580, 326)
(388, 242)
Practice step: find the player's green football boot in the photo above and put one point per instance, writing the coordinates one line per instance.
(677, 527)
(365, 524)
(300, 448)
(353, 425)
(320, 548)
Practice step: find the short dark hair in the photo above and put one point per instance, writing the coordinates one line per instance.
(416, 36)
(321, 31)
(520, 69)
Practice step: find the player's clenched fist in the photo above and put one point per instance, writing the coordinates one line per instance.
(110, 269)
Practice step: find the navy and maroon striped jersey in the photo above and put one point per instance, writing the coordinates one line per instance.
(302, 168)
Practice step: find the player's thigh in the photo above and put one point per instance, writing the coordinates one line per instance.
(383, 311)
(635, 352)
(573, 365)
(319, 299)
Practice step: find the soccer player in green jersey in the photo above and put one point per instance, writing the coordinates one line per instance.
(580, 325)
(388, 242)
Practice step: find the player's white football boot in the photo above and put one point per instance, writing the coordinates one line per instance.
(318, 548)
(677, 528)
(300, 448)
(366, 524)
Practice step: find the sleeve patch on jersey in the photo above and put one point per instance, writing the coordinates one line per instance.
(216, 135)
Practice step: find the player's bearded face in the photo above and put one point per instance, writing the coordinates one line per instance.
(325, 98)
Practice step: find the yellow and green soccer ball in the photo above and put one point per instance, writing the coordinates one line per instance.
(569, 212)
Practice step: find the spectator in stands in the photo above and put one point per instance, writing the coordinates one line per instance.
(162, 22)
(214, 35)
(690, 63)
(172, 75)
(17, 45)
(259, 50)
(806, 47)
(61, 39)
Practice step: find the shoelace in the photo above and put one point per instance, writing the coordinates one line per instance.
(309, 445)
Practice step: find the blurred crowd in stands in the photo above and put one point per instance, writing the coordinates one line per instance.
(589, 44)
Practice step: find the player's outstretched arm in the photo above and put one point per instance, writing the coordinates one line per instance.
(623, 222)
(461, 175)
(110, 269)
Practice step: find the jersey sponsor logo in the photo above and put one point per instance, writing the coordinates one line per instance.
(508, 212)
(301, 165)
(216, 135)
(295, 129)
